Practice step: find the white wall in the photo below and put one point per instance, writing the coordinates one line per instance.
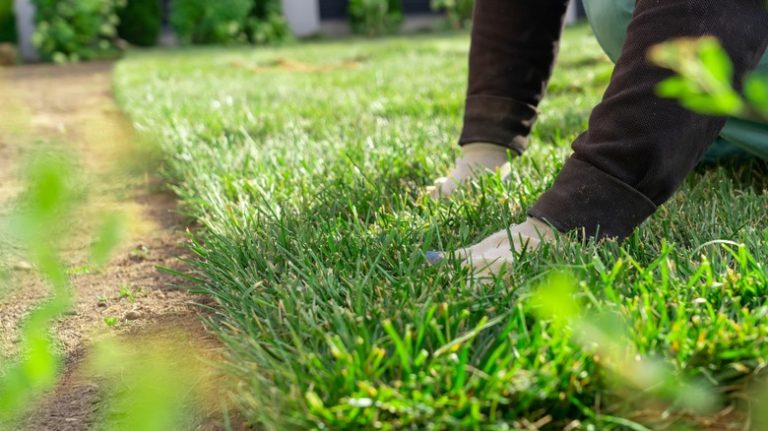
(25, 25)
(303, 16)
(571, 16)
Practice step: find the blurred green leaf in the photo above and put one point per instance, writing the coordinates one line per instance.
(715, 61)
(756, 91)
(704, 81)
(108, 238)
(156, 387)
(556, 299)
(46, 203)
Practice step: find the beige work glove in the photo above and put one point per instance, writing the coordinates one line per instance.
(491, 255)
(477, 159)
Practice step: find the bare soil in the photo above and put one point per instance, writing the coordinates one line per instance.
(70, 109)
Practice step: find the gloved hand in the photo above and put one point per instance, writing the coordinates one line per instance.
(490, 255)
(477, 159)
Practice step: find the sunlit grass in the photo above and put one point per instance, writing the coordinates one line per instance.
(306, 176)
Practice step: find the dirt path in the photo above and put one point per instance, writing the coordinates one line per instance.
(71, 109)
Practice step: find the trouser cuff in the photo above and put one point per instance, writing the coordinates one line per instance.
(586, 199)
(497, 120)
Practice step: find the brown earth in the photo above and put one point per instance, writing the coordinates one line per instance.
(70, 109)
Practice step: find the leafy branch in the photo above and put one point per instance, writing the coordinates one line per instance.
(704, 80)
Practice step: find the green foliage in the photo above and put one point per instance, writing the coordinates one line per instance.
(141, 22)
(266, 24)
(146, 395)
(229, 21)
(7, 22)
(206, 22)
(48, 199)
(604, 333)
(109, 235)
(459, 12)
(156, 384)
(375, 17)
(314, 228)
(705, 80)
(47, 206)
(756, 93)
(74, 30)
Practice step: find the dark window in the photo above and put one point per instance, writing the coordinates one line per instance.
(166, 13)
(333, 9)
(416, 6)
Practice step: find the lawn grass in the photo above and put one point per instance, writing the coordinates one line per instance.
(305, 167)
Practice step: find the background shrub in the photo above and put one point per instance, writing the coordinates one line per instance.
(266, 23)
(141, 22)
(375, 17)
(74, 30)
(459, 12)
(7, 22)
(205, 21)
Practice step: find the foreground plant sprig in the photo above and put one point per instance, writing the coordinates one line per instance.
(705, 80)
(41, 227)
(48, 200)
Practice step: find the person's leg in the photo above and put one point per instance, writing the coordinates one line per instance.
(739, 140)
(514, 44)
(639, 148)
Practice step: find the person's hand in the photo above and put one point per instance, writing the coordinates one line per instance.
(491, 255)
(477, 159)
